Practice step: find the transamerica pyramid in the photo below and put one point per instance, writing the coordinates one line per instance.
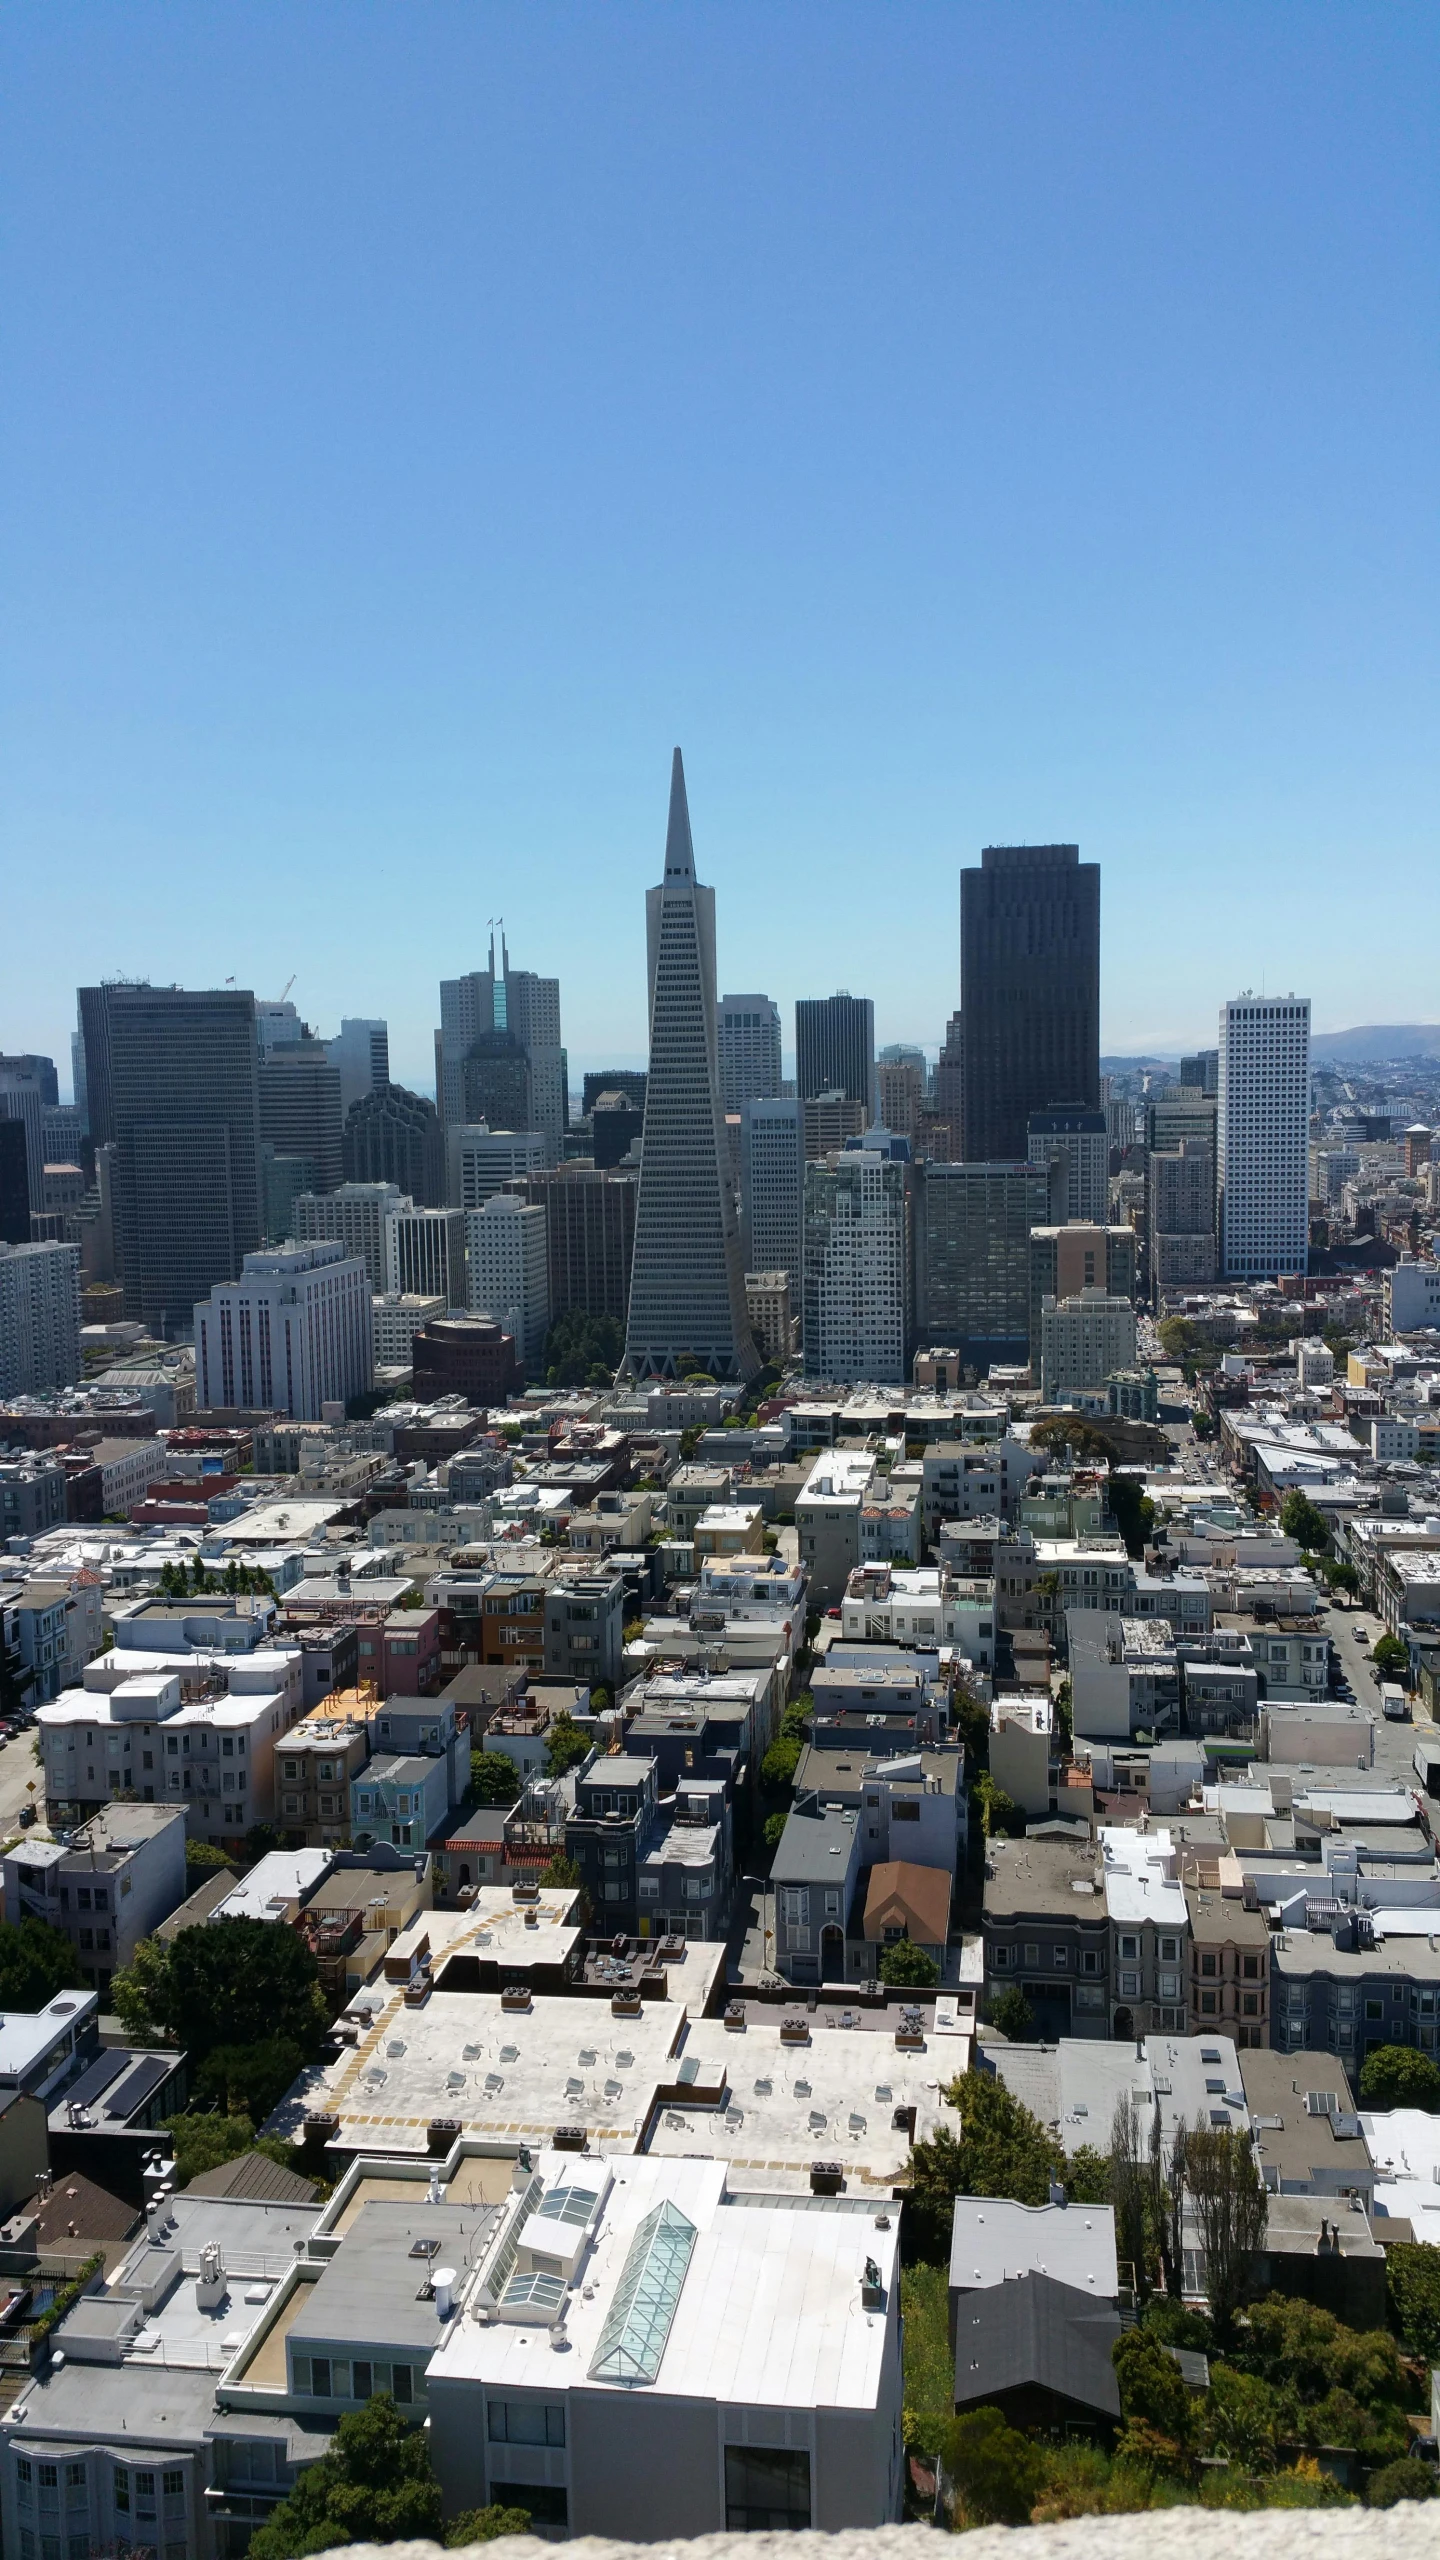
(687, 1286)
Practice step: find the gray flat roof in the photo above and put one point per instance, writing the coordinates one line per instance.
(1041, 1876)
(371, 2290)
(815, 1846)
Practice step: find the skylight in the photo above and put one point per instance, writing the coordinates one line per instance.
(637, 2328)
(540, 2293)
(569, 2204)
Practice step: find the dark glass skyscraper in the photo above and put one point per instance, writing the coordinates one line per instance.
(185, 1106)
(1029, 992)
(835, 1048)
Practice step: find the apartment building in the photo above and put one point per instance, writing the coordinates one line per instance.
(106, 1886)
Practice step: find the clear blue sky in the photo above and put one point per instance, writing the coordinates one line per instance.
(952, 424)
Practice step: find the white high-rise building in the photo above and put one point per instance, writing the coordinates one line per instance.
(859, 1281)
(39, 1317)
(482, 1161)
(291, 1335)
(687, 1282)
(361, 1051)
(425, 1254)
(1263, 1136)
(747, 1039)
(509, 1271)
(354, 1216)
(772, 1188)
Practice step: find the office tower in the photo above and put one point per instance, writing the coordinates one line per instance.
(747, 1040)
(495, 1082)
(1073, 1148)
(1029, 991)
(483, 1161)
(459, 1355)
(62, 1133)
(901, 1093)
(354, 1216)
(769, 1306)
(947, 1086)
(291, 1335)
(590, 1236)
(361, 1051)
(77, 1079)
(1201, 1071)
(829, 1121)
(21, 1099)
(35, 1070)
(859, 1268)
(1083, 1341)
(615, 1124)
(973, 1257)
(14, 1184)
(1180, 1216)
(393, 1135)
(627, 1080)
(277, 1023)
(425, 1254)
(300, 1114)
(185, 1102)
(835, 1048)
(93, 1008)
(687, 1288)
(282, 1180)
(1263, 1131)
(772, 1189)
(509, 1275)
(1064, 1260)
(493, 1017)
(39, 1318)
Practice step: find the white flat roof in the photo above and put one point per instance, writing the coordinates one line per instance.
(25, 2034)
(276, 1523)
(1136, 1885)
(513, 2075)
(283, 1877)
(788, 2105)
(768, 2312)
(498, 1929)
(1404, 2143)
(992, 2238)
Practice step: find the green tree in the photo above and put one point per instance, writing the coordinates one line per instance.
(996, 2470)
(793, 1721)
(1011, 2012)
(566, 1746)
(250, 2079)
(999, 1813)
(970, 1724)
(35, 1963)
(1152, 2386)
(374, 2485)
(579, 1345)
(906, 1966)
(1243, 2418)
(137, 1992)
(1309, 2354)
(1391, 2075)
(207, 2142)
(1302, 1520)
(235, 1983)
(1407, 2478)
(494, 1779)
(202, 1859)
(486, 2524)
(1001, 2149)
(1412, 2277)
(1391, 1658)
(780, 1763)
(1087, 2176)
(774, 1828)
(1227, 2198)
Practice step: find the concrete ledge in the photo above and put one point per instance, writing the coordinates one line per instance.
(1405, 2532)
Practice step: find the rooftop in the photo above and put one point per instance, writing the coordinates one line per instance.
(1056, 1877)
(702, 2295)
(994, 2239)
(772, 2109)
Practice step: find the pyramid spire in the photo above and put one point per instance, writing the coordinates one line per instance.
(679, 851)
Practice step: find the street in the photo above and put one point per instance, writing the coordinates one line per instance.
(18, 1766)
